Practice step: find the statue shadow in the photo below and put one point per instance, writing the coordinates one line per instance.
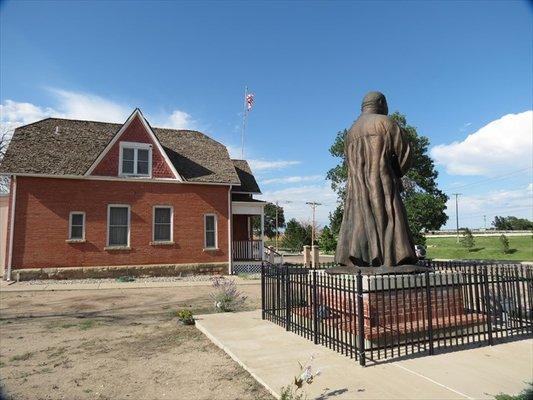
(329, 393)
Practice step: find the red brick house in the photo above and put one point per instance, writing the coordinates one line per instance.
(93, 199)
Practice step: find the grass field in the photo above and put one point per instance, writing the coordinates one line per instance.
(485, 248)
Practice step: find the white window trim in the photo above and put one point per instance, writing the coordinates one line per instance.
(135, 146)
(171, 224)
(205, 232)
(70, 225)
(109, 206)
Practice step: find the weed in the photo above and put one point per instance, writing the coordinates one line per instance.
(87, 324)
(21, 357)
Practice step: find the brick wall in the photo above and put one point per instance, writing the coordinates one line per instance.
(42, 213)
(135, 132)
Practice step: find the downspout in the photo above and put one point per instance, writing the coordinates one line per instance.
(230, 230)
(12, 227)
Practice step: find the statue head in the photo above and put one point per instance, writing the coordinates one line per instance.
(375, 103)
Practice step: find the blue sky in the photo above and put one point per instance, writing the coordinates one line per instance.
(460, 71)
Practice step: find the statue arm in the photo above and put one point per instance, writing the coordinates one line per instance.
(401, 148)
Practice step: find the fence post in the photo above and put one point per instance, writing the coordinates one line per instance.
(314, 306)
(287, 300)
(429, 313)
(360, 321)
(262, 290)
(487, 302)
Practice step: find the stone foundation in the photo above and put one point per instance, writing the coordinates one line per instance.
(123, 270)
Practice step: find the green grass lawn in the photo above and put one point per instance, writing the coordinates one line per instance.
(485, 248)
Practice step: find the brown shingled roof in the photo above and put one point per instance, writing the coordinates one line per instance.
(57, 146)
(248, 182)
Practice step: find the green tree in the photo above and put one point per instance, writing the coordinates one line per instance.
(326, 240)
(296, 235)
(424, 202)
(504, 244)
(512, 223)
(270, 220)
(467, 240)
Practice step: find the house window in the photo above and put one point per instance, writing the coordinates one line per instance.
(163, 224)
(210, 228)
(118, 222)
(135, 159)
(76, 225)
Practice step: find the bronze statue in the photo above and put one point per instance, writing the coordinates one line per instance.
(374, 235)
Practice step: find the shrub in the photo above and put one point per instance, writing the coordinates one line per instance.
(185, 317)
(226, 296)
(504, 244)
(305, 376)
(468, 239)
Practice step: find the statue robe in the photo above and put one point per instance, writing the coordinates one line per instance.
(374, 230)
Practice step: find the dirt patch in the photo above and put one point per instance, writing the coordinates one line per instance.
(115, 344)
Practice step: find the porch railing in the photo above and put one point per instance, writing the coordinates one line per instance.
(247, 250)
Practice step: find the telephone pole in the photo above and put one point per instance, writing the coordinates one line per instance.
(457, 214)
(313, 205)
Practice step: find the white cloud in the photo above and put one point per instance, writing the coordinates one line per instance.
(178, 120)
(293, 201)
(13, 114)
(472, 208)
(90, 107)
(501, 145)
(293, 179)
(84, 106)
(265, 165)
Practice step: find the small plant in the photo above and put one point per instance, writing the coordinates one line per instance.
(504, 244)
(468, 239)
(526, 394)
(125, 278)
(21, 357)
(87, 324)
(185, 317)
(305, 376)
(226, 296)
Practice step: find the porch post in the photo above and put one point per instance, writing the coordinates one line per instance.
(262, 232)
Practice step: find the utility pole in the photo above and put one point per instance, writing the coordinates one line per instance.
(457, 214)
(277, 222)
(313, 205)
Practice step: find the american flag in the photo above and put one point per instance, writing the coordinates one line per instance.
(249, 101)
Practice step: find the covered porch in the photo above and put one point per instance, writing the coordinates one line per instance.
(247, 242)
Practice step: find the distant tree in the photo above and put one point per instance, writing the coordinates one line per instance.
(504, 244)
(5, 137)
(424, 202)
(467, 240)
(296, 235)
(270, 220)
(512, 223)
(326, 240)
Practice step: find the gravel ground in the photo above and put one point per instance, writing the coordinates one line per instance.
(193, 278)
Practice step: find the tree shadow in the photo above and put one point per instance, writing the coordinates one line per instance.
(511, 251)
(332, 393)
(475, 249)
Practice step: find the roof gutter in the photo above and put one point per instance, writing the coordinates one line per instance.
(12, 227)
(230, 231)
(115, 179)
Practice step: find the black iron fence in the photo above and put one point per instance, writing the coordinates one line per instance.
(374, 318)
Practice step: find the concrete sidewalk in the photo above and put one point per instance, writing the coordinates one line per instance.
(93, 284)
(271, 355)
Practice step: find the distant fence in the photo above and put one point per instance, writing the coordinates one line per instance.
(377, 318)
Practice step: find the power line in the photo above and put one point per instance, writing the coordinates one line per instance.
(498, 177)
(457, 214)
(313, 205)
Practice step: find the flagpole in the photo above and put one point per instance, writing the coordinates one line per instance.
(244, 115)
